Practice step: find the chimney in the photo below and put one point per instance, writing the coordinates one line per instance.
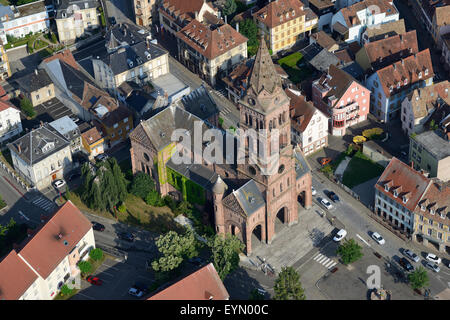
(60, 235)
(42, 123)
(19, 147)
(226, 20)
(237, 26)
(412, 164)
(196, 15)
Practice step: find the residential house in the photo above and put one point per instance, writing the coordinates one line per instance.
(440, 24)
(41, 156)
(37, 268)
(324, 10)
(74, 18)
(37, 87)
(318, 57)
(424, 11)
(378, 32)
(203, 284)
(324, 40)
(397, 193)
(5, 69)
(93, 141)
(144, 11)
(419, 104)
(284, 22)
(174, 15)
(211, 51)
(19, 21)
(69, 129)
(376, 55)
(349, 23)
(10, 124)
(309, 125)
(342, 98)
(128, 56)
(375, 153)
(430, 152)
(390, 85)
(139, 99)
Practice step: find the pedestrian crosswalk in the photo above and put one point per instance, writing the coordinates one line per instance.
(325, 261)
(225, 110)
(43, 203)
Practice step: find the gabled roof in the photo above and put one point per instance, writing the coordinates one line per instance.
(249, 197)
(15, 277)
(437, 198)
(203, 284)
(301, 111)
(324, 40)
(337, 80)
(92, 135)
(65, 56)
(379, 31)
(279, 12)
(182, 9)
(423, 100)
(34, 81)
(442, 15)
(350, 13)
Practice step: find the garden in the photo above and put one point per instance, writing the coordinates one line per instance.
(297, 69)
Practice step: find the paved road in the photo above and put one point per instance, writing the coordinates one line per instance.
(120, 9)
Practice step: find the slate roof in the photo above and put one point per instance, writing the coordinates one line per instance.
(301, 164)
(197, 173)
(70, 6)
(434, 144)
(249, 198)
(15, 277)
(200, 103)
(124, 34)
(319, 57)
(32, 81)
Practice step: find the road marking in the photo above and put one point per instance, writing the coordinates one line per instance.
(20, 212)
(318, 256)
(363, 240)
(335, 263)
(328, 265)
(322, 259)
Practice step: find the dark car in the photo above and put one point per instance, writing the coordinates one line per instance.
(112, 20)
(126, 236)
(98, 226)
(406, 264)
(94, 280)
(333, 196)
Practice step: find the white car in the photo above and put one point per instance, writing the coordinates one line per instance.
(313, 191)
(340, 235)
(379, 239)
(433, 258)
(326, 203)
(432, 266)
(135, 292)
(58, 183)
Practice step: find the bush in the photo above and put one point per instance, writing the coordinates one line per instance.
(27, 107)
(65, 290)
(2, 203)
(141, 185)
(122, 208)
(85, 267)
(170, 202)
(154, 199)
(96, 254)
(373, 133)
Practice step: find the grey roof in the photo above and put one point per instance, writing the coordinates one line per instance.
(6, 10)
(435, 144)
(354, 70)
(301, 165)
(66, 127)
(249, 197)
(197, 173)
(33, 145)
(219, 186)
(200, 103)
(125, 34)
(31, 8)
(323, 60)
(68, 7)
(32, 81)
(169, 84)
(138, 99)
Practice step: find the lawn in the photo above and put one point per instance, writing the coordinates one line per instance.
(361, 169)
(290, 65)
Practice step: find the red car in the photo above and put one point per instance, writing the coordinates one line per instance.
(94, 280)
(325, 161)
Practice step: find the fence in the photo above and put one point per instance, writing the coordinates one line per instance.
(121, 255)
(14, 175)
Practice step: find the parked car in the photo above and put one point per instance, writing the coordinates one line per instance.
(432, 266)
(406, 264)
(98, 226)
(101, 157)
(379, 239)
(333, 196)
(94, 280)
(414, 257)
(112, 20)
(135, 292)
(433, 258)
(325, 161)
(127, 236)
(313, 191)
(326, 203)
(340, 235)
(59, 183)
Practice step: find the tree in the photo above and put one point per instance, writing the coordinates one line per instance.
(225, 253)
(96, 254)
(418, 278)
(229, 8)
(27, 107)
(65, 290)
(119, 180)
(288, 286)
(141, 185)
(350, 251)
(249, 29)
(154, 199)
(433, 125)
(84, 266)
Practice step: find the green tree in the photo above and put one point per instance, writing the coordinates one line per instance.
(96, 254)
(418, 278)
(154, 199)
(65, 290)
(229, 8)
(225, 253)
(119, 180)
(288, 286)
(349, 251)
(141, 185)
(27, 107)
(84, 266)
(433, 125)
(249, 29)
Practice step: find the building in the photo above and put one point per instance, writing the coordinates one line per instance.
(69, 129)
(376, 55)
(203, 284)
(343, 99)
(174, 15)
(397, 193)
(440, 24)
(5, 69)
(41, 156)
(309, 126)
(74, 18)
(377, 154)
(19, 21)
(284, 22)
(324, 40)
(129, 55)
(419, 104)
(10, 124)
(37, 268)
(324, 10)
(241, 198)
(350, 23)
(378, 32)
(319, 58)
(144, 11)
(210, 51)
(446, 51)
(430, 152)
(390, 85)
(93, 142)
(37, 87)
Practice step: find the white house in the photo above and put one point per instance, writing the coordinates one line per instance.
(353, 20)
(10, 124)
(21, 20)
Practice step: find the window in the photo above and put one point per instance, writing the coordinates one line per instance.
(115, 125)
(430, 231)
(125, 120)
(37, 97)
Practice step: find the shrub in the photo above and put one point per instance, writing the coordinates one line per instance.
(373, 133)
(65, 290)
(96, 254)
(122, 208)
(170, 202)
(154, 199)
(84, 266)
(27, 107)
(359, 139)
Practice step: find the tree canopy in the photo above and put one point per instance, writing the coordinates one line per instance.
(288, 286)
(418, 278)
(350, 251)
(225, 253)
(249, 29)
(141, 185)
(229, 7)
(27, 107)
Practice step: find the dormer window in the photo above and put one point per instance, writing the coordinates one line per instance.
(420, 75)
(422, 207)
(386, 188)
(398, 85)
(391, 88)
(405, 199)
(395, 193)
(405, 82)
(426, 72)
(432, 211)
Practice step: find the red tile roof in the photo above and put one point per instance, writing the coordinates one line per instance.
(47, 248)
(398, 174)
(5, 104)
(92, 135)
(65, 56)
(15, 277)
(436, 198)
(204, 284)
(279, 12)
(184, 9)
(300, 111)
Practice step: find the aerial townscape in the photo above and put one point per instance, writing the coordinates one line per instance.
(224, 150)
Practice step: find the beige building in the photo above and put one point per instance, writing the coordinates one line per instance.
(144, 10)
(283, 22)
(5, 69)
(440, 24)
(74, 17)
(37, 87)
